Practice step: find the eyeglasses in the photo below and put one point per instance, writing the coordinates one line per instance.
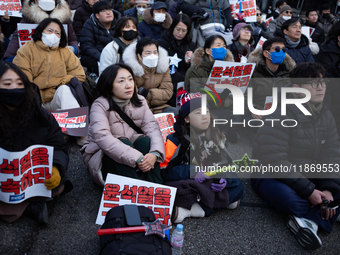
(288, 12)
(246, 30)
(181, 29)
(278, 49)
(258, 14)
(315, 83)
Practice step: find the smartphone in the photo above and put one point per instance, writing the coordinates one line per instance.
(332, 205)
(132, 215)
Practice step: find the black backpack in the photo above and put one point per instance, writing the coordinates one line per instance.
(131, 243)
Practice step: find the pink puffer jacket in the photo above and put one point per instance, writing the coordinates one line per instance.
(107, 127)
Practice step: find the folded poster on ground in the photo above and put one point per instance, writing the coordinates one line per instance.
(23, 173)
(12, 6)
(120, 190)
(166, 123)
(74, 122)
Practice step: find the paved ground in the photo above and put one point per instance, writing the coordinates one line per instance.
(72, 229)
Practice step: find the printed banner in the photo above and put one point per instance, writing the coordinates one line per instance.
(261, 42)
(120, 190)
(23, 173)
(166, 123)
(26, 31)
(268, 103)
(232, 73)
(74, 122)
(247, 7)
(12, 6)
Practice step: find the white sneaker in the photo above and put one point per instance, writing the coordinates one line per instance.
(305, 232)
(234, 205)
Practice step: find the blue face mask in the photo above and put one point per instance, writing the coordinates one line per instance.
(219, 53)
(277, 57)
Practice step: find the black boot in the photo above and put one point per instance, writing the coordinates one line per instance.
(37, 210)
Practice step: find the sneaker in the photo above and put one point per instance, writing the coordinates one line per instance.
(234, 205)
(305, 232)
(37, 210)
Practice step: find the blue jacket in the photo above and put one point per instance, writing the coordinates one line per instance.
(302, 52)
(132, 12)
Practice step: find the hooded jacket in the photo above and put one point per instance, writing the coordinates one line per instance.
(147, 27)
(156, 80)
(33, 14)
(329, 52)
(326, 24)
(274, 25)
(263, 80)
(107, 127)
(81, 15)
(94, 36)
(313, 141)
(48, 67)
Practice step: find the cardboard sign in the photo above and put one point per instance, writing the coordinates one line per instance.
(120, 190)
(269, 20)
(12, 6)
(232, 73)
(166, 123)
(23, 173)
(26, 31)
(74, 122)
(261, 42)
(268, 103)
(248, 7)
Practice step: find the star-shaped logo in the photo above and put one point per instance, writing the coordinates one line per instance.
(155, 227)
(245, 161)
(174, 60)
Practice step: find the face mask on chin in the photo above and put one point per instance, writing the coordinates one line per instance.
(150, 61)
(46, 5)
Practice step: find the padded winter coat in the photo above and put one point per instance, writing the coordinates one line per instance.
(329, 53)
(107, 127)
(81, 15)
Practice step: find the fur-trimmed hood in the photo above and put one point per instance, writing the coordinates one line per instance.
(149, 19)
(197, 57)
(130, 58)
(257, 58)
(35, 14)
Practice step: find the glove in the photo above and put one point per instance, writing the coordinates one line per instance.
(142, 91)
(54, 181)
(217, 187)
(201, 177)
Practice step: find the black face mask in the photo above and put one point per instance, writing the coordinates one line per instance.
(326, 15)
(130, 35)
(12, 97)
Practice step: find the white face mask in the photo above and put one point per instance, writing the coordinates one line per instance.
(286, 17)
(159, 17)
(51, 40)
(150, 61)
(46, 5)
(140, 11)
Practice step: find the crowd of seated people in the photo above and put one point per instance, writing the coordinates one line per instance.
(147, 59)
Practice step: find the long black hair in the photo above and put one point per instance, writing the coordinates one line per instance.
(105, 83)
(43, 24)
(184, 19)
(15, 121)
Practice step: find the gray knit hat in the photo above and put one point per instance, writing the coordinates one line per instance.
(285, 8)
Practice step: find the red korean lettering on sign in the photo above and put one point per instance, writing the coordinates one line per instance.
(108, 205)
(245, 5)
(217, 71)
(162, 122)
(10, 186)
(267, 106)
(129, 194)
(40, 174)
(162, 196)
(244, 81)
(111, 191)
(251, 4)
(25, 163)
(165, 133)
(40, 156)
(235, 81)
(170, 120)
(238, 71)
(228, 71)
(162, 213)
(247, 70)
(10, 168)
(145, 195)
(26, 180)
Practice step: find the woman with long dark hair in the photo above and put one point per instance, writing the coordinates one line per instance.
(115, 144)
(24, 122)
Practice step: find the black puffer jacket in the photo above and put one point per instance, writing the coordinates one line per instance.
(329, 52)
(82, 14)
(313, 141)
(318, 35)
(94, 36)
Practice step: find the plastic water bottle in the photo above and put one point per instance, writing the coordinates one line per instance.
(177, 239)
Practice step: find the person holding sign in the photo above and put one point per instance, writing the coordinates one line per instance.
(259, 27)
(195, 147)
(124, 137)
(25, 123)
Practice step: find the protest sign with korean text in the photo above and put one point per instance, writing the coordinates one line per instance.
(261, 42)
(268, 103)
(121, 190)
(166, 123)
(74, 122)
(26, 31)
(268, 21)
(231, 73)
(23, 174)
(12, 6)
(248, 7)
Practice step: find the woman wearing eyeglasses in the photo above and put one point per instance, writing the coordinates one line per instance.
(286, 13)
(178, 40)
(260, 27)
(243, 42)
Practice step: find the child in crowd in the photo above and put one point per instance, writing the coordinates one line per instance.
(197, 144)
